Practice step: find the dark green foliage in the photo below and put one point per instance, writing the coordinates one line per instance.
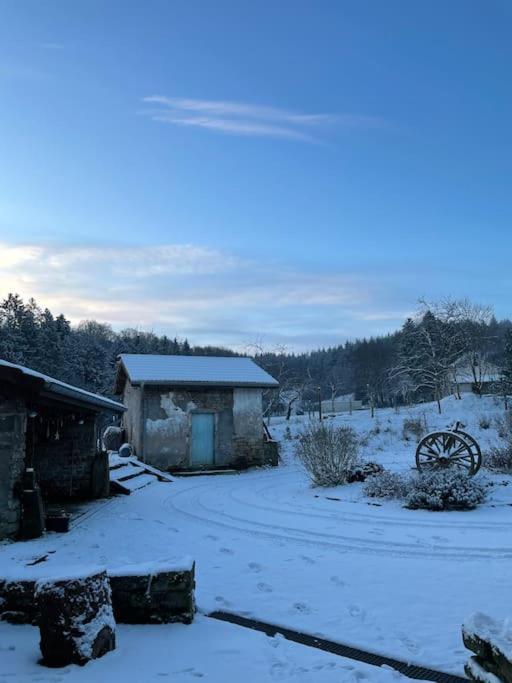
(85, 355)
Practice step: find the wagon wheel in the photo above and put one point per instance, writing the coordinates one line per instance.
(475, 447)
(439, 450)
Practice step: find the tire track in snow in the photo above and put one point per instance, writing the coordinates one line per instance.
(193, 502)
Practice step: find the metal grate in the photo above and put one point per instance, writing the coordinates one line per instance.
(412, 671)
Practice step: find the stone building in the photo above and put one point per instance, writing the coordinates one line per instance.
(194, 412)
(51, 428)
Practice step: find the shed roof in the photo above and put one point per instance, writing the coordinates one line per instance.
(50, 387)
(226, 371)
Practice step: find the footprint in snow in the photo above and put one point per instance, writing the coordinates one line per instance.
(411, 646)
(376, 532)
(254, 567)
(302, 608)
(307, 560)
(210, 537)
(222, 601)
(191, 672)
(339, 582)
(264, 588)
(356, 611)
(226, 551)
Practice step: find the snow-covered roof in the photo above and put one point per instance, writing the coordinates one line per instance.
(490, 373)
(56, 388)
(226, 371)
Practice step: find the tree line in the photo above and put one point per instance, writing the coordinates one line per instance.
(424, 360)
(84, 355)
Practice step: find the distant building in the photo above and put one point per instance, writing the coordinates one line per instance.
(194, 412)
(487, 378)
(341, 404)
(48, 443)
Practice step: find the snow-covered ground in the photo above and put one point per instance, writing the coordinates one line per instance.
(207, 650)
(325, 561)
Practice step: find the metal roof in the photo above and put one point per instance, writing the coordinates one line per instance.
(56, 389)
(227, 371)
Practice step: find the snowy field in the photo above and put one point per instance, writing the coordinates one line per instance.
(326, 561)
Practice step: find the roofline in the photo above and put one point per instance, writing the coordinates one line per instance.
(49, 387)
(202, 383)
(119, 386)
(83, 397)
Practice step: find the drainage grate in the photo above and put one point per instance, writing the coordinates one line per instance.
(412, 671)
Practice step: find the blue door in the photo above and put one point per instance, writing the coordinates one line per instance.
(202, 451)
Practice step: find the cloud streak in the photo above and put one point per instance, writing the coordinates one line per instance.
(239, 118)
(208, 295)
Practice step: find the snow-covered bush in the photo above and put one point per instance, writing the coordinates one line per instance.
(448, 489)
(329, 454)
(364, 470)
(387, 485)
(499, 458)
(412, 426)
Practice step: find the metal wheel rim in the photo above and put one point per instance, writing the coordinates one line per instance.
(475, 447)
(441, 450)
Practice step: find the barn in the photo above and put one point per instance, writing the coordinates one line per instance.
(195, 412)
(48, 446)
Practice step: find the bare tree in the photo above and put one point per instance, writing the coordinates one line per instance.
(336, 383)
(430, 348)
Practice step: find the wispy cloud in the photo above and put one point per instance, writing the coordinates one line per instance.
(239, 118)
(190, 290)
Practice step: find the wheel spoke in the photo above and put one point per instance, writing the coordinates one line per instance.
(427, 455)
(460, 463)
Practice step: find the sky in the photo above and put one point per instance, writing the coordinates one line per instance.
(293, 173)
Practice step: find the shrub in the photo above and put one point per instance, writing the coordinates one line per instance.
(364, 470)
(503, 426)
(329, 454)
(387, 485)
(499, 458)
(484, 422)
(412, 426)
(445, 490)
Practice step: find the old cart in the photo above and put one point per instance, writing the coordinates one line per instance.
(451, 448)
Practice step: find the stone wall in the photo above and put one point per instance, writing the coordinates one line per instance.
(12, 456)
(167, 417)
(248, 429)
(64, 467)
(168, 424)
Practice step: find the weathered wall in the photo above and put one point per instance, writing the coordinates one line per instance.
(132, 416)
(168, 424)
(64, 467)
(12, 456)
(238, 425)
(248, 429)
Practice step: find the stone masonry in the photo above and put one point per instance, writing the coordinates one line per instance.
(12, 455)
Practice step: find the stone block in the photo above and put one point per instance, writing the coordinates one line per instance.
(475, 669)
(491, 641)
(154, 593)
(17, 603)
(76, 621)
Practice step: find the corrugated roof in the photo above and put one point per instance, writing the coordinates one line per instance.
(63, 390)
(189, 370)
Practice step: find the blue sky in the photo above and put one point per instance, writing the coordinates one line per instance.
(297, 172)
